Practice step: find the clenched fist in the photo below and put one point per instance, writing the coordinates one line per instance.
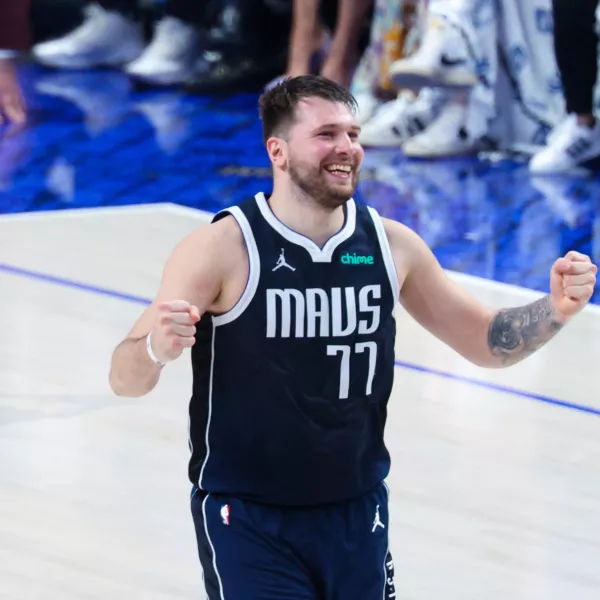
(174, 330)
(572, 282)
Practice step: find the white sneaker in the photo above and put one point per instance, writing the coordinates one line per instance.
(170, 56)
(446, 136)
(397, 121)
(105, 38)
(569, 146)
(368, 104)
(442, 60)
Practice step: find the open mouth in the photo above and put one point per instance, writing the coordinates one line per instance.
(339, 171)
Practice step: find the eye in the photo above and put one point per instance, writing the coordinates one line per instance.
(326, 134)
(353, 135)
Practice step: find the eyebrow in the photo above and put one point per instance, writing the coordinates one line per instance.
(336, 126)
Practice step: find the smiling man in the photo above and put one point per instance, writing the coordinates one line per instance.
(288, 304)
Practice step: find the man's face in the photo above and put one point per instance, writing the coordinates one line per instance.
(324, 154)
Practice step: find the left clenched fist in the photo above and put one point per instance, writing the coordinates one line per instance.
(572, 282)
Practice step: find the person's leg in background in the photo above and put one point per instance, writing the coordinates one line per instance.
(442, 59)
(366, 80)
(506, 48)
(391, 34)
(526, 84)
(577, 139)
(51, 19)
(306, 39)
(125, 7)
(170, 57)
(345, 51)
(443, 73)
(345, 20)
(112, 35)
(390, 116)
(575, 42)
(446, 61)
(245, 47)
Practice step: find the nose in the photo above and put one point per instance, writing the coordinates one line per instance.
(344, 144)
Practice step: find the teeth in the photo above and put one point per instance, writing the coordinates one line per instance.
(343, 168)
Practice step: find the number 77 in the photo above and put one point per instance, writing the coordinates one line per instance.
(345, 365)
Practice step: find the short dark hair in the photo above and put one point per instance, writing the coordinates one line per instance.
(278, 104)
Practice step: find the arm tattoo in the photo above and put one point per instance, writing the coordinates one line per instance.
(516, 333)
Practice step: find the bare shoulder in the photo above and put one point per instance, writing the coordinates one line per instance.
(215, 253)
(226, 247)
(408, 248)
(227, 240)
(207, 268)
(402, 237)
(215, 245)
(228, 229)
(215, 234)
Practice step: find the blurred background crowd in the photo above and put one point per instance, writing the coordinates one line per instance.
(433, 78)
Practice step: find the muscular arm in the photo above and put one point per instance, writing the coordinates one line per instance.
(485, 337)
(195, 273)
(515, 333)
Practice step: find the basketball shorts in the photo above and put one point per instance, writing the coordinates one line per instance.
(251, 551)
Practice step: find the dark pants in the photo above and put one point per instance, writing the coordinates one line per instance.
(185, 10)
(576, 42)
(255, 552)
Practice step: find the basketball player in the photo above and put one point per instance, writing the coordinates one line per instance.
(287, 302)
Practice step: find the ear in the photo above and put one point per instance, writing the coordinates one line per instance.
(278, 151)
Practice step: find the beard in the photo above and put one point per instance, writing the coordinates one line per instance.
(315, 184)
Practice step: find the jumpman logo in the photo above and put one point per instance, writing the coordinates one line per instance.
(377, 522)
(281, 262)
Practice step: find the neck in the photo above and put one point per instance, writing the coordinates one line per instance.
(303, 215)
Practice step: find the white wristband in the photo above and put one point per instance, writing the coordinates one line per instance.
(151, 354)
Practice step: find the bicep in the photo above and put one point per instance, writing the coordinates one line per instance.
(440, 305)
(193, 273)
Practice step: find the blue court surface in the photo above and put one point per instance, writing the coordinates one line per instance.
(94, 141)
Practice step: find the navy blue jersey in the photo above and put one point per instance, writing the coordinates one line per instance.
(290, 387)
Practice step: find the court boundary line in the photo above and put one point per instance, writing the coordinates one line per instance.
(65, 282)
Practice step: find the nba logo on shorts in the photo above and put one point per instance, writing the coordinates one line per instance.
(225, 514)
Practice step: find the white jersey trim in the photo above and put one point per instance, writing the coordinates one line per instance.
(387, 551)
(386, 251)
(214, 554)
(210, 403)
(253, 274)
(317, 254)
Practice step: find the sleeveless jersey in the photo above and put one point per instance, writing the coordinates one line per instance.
(290, 387)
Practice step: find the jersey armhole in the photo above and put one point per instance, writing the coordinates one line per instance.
(386, 252)
(253, 271)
